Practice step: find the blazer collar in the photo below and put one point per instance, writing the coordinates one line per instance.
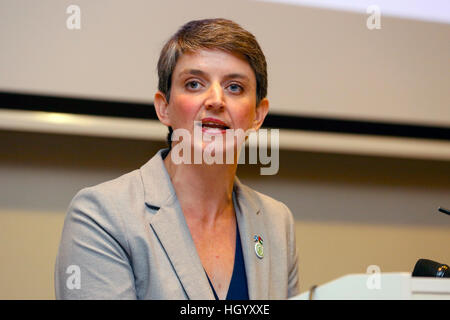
(158, 188)
(170, 226)
(250, 221)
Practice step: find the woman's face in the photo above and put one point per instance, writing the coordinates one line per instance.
(215, 88)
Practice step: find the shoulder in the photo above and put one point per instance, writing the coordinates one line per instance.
(125, 187)
(130, 188)
(106, 205)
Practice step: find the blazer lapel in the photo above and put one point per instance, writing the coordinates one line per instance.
(250, 222)
(171, 228)
(172, 231)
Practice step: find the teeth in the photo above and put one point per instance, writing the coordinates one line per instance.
(214, 125)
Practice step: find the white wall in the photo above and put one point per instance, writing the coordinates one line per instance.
(321, 62)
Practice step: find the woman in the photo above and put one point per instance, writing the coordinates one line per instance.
(189, 229)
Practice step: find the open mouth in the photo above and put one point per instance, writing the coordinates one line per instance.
(211, 124)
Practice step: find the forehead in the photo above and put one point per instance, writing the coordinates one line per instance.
(217, 62)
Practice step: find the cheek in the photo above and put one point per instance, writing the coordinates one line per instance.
(245, 115)
(184, 108)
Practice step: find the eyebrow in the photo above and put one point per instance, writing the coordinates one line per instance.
(197, 72)
(194, 72)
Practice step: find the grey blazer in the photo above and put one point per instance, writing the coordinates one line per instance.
(127, 239)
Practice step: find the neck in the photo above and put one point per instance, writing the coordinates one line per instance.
(204, 191)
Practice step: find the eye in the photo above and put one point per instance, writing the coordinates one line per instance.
(235, 88)
(193, 85)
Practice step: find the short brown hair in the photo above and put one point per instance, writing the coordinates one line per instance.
(216, 33)
(219, 34)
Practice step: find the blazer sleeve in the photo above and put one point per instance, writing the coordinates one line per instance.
(93, 255)
(293, 275)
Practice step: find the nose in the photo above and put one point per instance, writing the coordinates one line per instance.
(215, 98)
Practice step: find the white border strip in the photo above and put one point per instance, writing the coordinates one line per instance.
(414, 148)
(424, 10)
(61, 123)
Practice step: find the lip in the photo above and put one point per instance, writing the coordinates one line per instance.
(214, 131)
(214, 120)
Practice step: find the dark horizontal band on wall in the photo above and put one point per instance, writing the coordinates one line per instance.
(32, 102)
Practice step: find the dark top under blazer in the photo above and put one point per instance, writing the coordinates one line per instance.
(238, 289)
(128, 239)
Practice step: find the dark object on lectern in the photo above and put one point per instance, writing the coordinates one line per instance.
(430, 268)
(443, 210)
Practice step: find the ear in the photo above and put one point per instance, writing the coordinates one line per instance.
(261, 112)
(162, 108)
